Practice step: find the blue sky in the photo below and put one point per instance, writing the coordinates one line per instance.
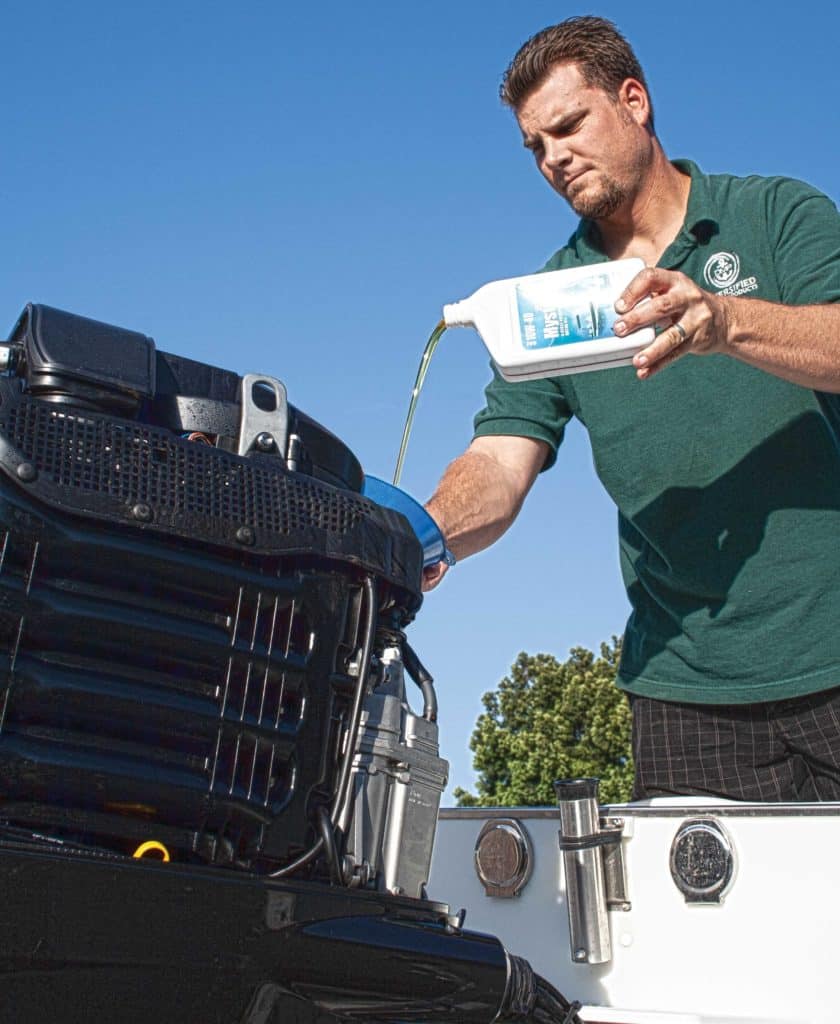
(298, 189)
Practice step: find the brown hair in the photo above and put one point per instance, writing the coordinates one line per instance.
(595, 45)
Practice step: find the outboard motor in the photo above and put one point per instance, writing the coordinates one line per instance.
(187, 624)
(202, 659)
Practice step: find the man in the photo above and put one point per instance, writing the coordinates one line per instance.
(725, 468)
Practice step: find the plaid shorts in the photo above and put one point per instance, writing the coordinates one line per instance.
(780, 750)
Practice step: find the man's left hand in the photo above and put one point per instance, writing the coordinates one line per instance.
(694, 320)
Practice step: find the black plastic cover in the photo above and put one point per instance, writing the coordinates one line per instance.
(64, 346)
(74, 360)
(136, 941)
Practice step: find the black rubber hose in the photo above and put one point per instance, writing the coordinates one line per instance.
(421, 675)
(340, 800)
(327, 835)
(530, 998)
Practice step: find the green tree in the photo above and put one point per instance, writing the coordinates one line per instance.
(550, 720)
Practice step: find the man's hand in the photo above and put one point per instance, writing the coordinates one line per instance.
(694, 320)
(433, 574)
(797, 343)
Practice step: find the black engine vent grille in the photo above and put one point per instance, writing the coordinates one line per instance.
(136, 463)
(124, 471)
(150, 690)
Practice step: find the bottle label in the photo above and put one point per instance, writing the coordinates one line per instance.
(563, 314)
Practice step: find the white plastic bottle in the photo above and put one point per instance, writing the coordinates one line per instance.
(561, 321)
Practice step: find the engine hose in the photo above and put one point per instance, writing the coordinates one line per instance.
(530, 998)
(327, 834)
(299, 862)
(340, 805)
(420, 674)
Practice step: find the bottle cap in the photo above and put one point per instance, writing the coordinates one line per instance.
(456, 315)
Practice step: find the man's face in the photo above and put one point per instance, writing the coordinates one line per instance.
(590, 147)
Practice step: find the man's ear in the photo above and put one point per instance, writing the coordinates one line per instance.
(633, 97)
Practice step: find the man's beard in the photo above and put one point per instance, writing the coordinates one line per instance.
(600, 203)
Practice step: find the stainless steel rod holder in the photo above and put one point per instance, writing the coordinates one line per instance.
(582, 842)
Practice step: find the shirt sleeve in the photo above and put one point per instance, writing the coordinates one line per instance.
(532, 408)
(804, 230)
(806, 255)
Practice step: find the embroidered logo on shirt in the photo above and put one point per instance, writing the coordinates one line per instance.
(722, 269)
(721, 272)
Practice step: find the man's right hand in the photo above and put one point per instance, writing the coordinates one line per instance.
(433, 574)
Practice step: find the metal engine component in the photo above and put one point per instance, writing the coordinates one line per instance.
(264, 424)
(397, 782)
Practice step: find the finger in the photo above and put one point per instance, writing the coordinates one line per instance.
(670, 343)
(653, 311)
(646, 372)
(432, 575)
(647, 281)
(665, 307)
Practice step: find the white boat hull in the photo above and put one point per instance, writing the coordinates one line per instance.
(767, 952)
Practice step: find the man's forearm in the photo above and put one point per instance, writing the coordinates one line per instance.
(799, 343)
(481, 492)
(472, 504)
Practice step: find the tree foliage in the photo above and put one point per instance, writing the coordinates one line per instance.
(550, 720)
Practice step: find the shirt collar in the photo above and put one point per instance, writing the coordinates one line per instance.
(699, 226)
(700, 216)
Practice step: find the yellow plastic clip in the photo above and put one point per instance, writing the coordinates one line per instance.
(152, 846)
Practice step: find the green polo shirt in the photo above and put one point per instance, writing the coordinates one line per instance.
(727, 479)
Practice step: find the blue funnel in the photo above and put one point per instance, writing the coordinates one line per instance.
(427, 530)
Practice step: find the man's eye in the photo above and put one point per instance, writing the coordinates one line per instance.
(562, 130)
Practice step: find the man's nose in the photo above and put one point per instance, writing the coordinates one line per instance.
(555, 154)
